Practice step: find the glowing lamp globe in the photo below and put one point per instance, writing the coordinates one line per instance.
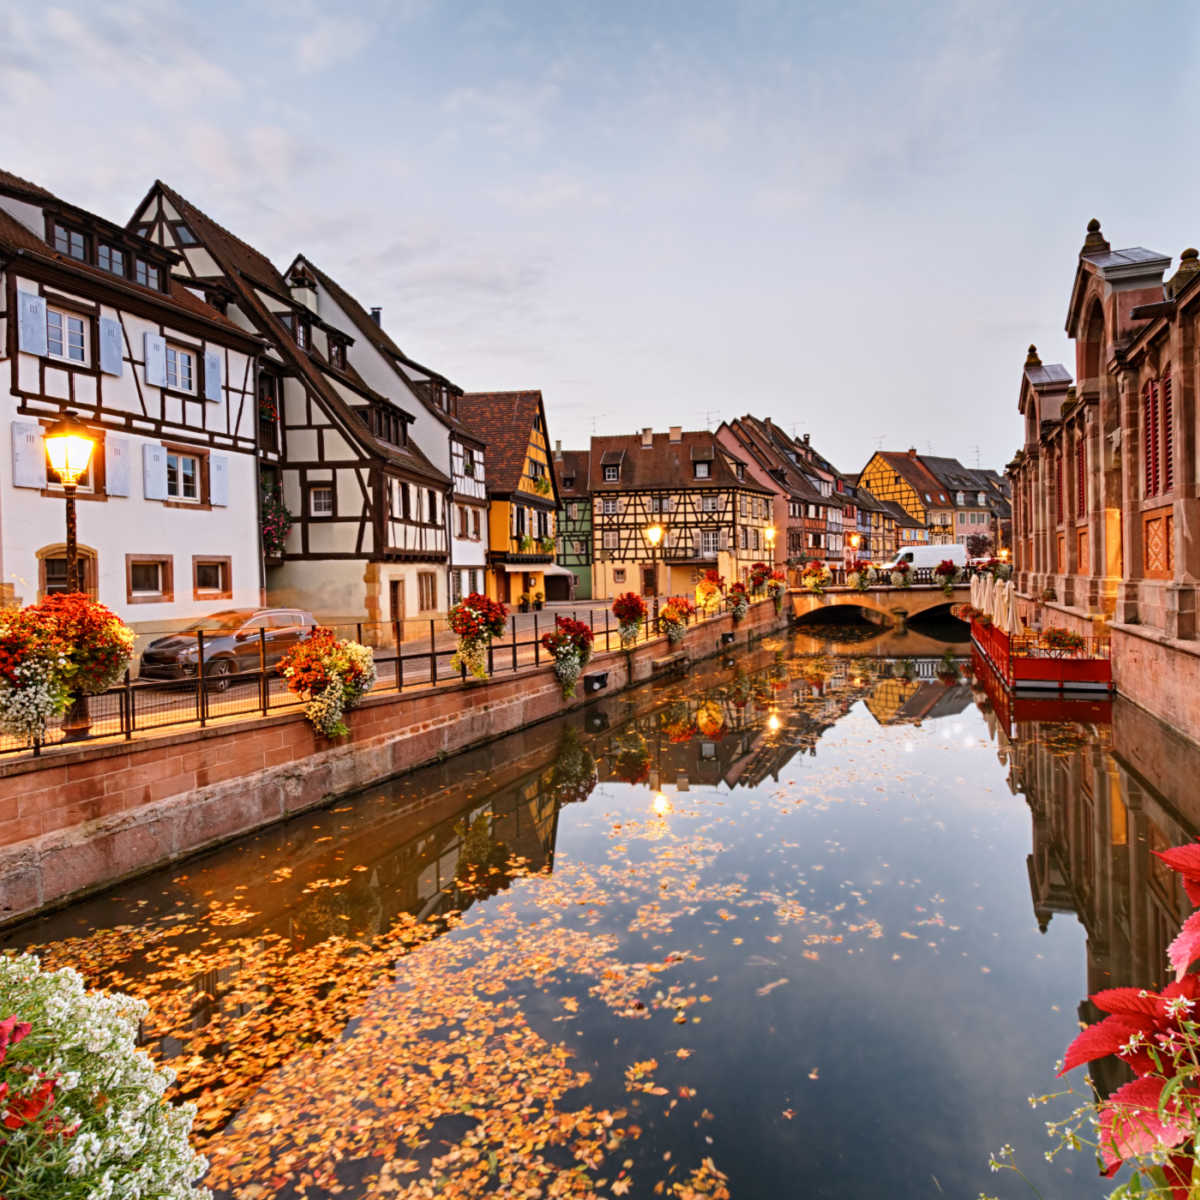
(654, 534)
(769, 534)
(69, 447)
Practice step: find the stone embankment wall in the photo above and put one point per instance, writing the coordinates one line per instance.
(80, 819)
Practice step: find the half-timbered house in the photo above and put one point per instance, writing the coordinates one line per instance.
(369, 540)
(522, 496)
(436, 429)
(712, 514)
(574, 526)
(902, 478)
(94, 321)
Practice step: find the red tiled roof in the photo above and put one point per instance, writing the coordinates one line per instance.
(916, 474)
(573, 465)
(503, 421)
(665, 464)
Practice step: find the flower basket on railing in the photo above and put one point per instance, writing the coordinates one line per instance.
(475, 619)
(759, 574)
(81, 1107)
(674, 617)
(546, 545)
(1062, 643)
(776, 586)
(68, 645)
(630, 610)
(571, 646)
(860, 575)
(902, 574)
(525, 543)
(332, 674)
(739, 600)
(541, 485)
(946, 573)
(709, 589)
(816, 577)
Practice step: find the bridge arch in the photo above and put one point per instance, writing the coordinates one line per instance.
(894, 603)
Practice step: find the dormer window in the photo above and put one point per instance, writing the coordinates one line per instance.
(109, 258)
(469, 460)
(71, 242)
(146, 274)
(702, 469)
(612, 474)
(962, 499)
(337, 354)
(568, 481)
(982, 499)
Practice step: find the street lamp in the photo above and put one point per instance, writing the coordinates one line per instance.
(69, 447)
(654, 536)
(855, 541)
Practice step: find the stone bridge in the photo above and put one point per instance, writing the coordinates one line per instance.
(896, 604)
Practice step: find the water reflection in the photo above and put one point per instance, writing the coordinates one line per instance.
(460, 979)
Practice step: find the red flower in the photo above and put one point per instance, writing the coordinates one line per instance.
(629, 607)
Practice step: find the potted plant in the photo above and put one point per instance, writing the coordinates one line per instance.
(816, 577)
(739, 600)
(1062, 643)
(332, 674)
(274, 522)
(538, 600)
(776, 586)
(630, 610)
(571, 646)
(674, 617)
(759, 574)
(860, 575)
(526, 543)
(541, 485)
(546, 545)
(946, 572)
(709, 590)
(82, 1108)
(476, 619)
(902, 574)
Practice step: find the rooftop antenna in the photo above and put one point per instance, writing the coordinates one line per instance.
(928, 447)
(879, 443)
(709, 413)
(976, 449)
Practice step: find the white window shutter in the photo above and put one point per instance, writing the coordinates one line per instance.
(724, 539)
(28, 455)
(112, 357)
(218, 480)
(212, 374)
(116, 466)
(156, 360)
(154, 470)
(31, 323)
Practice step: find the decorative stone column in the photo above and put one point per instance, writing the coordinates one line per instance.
(1129, 451)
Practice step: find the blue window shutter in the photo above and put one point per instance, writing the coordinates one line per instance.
(218, 480)
(156, 360)
(154, 470)
(31, 323)
(28, 455)
(112, 357)
(116, 465)
(212, 374)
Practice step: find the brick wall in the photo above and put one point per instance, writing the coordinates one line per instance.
(81, 818)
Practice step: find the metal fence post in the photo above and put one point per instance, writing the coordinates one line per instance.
(514, 641)
(432, 653)
(537, 645)
(128, 698)
(606, 644)
(201, 699)
(399, 656)
(264, 684)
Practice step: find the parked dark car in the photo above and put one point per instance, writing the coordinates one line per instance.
(235, 640)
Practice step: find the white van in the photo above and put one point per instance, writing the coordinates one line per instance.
(929, 556)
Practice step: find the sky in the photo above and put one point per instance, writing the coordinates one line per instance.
(852, 217)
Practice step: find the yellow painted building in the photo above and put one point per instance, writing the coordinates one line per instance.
(522, 496)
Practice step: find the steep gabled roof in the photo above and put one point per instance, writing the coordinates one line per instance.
(503, 421)
(372, 331)
(16, 238)
(900, 515)
(245, 269)
(755, 437)
(910, 468)
(572, 465)
(666, 465)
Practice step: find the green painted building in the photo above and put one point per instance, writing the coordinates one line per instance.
(574, 527)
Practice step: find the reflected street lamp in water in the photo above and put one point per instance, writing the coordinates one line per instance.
(69, 445)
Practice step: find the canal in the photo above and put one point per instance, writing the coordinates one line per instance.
(814, 922)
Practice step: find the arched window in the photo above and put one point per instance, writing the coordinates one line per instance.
(52, 570)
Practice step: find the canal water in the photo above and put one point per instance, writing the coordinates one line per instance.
(814, 922)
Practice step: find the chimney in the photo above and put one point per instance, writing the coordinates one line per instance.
(647, 438)
(558, 449)
(377, 316)
(676, 433)
(912, 452)
(806, 439)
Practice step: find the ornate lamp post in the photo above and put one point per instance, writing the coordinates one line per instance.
(654, 536)
(69, 447)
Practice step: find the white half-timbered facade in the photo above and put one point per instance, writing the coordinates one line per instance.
(369, 540)
(94, 322)
(436, 427)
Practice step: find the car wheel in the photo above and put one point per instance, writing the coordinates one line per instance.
(217, 674)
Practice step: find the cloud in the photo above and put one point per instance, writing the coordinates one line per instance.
(332, 40)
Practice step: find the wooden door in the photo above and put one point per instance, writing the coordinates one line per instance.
(396, 600)
(649, 581)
